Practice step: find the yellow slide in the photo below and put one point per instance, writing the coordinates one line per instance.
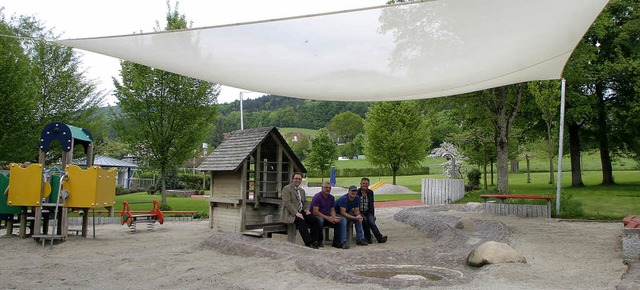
(378, 184)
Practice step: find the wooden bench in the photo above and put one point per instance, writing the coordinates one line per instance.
(503, 198)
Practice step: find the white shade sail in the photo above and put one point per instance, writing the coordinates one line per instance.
(395, 52)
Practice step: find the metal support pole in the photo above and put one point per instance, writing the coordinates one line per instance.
(241, 114)
(560, 142)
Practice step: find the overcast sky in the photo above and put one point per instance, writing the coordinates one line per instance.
(83, 18)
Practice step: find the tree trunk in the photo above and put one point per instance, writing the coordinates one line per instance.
(163, 186)
(574, 151)
(528, 169)
(394, 175)
(550, 149)
(485, 167)
(515, 166)
(605, 158)
(492, 172)
(502, 160)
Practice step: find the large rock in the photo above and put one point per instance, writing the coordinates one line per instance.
(494, 253)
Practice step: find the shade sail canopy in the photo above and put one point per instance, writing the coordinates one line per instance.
(395, 52)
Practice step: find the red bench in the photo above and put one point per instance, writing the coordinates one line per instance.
(503, 198)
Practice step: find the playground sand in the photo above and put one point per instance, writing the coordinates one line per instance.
(560, 255)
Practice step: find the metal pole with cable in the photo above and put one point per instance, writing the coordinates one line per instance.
(560, 143)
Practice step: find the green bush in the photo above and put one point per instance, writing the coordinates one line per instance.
(474, 178)
(192, 181)
(569, 207)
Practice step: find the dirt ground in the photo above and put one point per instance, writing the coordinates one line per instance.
(189, 255)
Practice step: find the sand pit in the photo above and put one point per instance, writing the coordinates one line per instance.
(188, 255)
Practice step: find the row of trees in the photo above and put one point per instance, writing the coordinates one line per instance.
(40, 83)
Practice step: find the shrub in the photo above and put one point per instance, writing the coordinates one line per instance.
(569, 207)
(152, 190)
(474, 176)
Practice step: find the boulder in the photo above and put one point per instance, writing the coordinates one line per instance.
(494, 253)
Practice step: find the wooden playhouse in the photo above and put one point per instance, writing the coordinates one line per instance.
(248, 171)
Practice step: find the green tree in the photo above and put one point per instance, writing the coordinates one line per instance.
(324, 152)
(345, 126)
(545, 95)
(17, 99)
(604, 72)
(165, 115)
(502, 105)
(397, 135)
(355, 147)
(64, 94)
(301, 146)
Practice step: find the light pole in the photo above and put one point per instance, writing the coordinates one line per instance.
(241, 111)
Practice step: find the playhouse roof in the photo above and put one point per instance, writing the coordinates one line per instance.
(230, 154)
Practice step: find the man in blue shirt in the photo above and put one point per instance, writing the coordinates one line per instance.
(348, 208)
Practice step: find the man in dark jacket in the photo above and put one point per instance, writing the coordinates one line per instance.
(368, 212)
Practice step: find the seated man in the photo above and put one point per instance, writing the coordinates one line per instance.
(296, 210)
(322, 208)
(347, 205)
(367, 210)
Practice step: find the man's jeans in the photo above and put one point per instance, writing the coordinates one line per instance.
(343, 229)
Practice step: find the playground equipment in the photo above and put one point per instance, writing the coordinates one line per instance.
(39, 194)
(155, 215)
(378, 184)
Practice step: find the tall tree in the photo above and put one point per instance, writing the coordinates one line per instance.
(165, 115)
(502, 105)
(605, 68)
(345, 126)
(323, 151)
(397, 135)
(17, 99)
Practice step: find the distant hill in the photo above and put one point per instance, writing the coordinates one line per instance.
(270, 110)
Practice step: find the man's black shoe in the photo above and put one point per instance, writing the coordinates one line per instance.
(337, 245)
(369, 241)
(362, 243)
(319, 244)
(312, 245)
(345, 245)
(382, 240)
